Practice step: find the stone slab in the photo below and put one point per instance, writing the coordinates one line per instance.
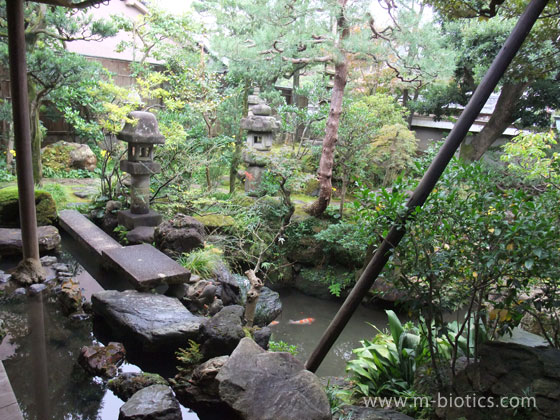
(9, 408)
(145, 266)
(11, 243)
(86, 232)
(154, 322)
(130, 220)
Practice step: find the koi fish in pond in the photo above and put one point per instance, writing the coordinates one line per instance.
(305, 321)
(273, 323)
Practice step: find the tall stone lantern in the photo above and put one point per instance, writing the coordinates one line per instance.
(141, 137)
(261, 127)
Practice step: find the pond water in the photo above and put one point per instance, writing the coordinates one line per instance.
(73, 394)
(296, 306)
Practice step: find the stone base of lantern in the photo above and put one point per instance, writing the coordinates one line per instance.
(131, 220)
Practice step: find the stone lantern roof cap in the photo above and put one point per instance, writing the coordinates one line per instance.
(145, 131)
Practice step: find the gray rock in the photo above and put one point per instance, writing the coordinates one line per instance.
(353, 412)
(11, 244)
(48, 260)
(261, 385)
(37, 288)
(262, 337)
(155, 402)
(20, 291)
(508, 369)
(201, 391)
(178, 235)
(141, 235)
(4, 278)
(82, 157)
(153, 322)
(112, 206)
(221, 334)
(127, 384)
(60, 267)
(228, 286)
(70, 297)
(102, 360)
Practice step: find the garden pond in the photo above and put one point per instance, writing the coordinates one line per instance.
(74, 394)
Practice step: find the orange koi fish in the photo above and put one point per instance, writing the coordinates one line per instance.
(273, 323)
(305, 321)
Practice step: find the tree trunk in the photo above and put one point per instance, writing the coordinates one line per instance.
(501, 119)
(343, 194)
(411, 112)
(331, 133)
(236, 158)
(36, 134)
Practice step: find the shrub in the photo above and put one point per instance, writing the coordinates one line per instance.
(202, 262)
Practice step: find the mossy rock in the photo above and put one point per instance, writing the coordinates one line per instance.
(213, 222)
(57, 156)
(9, 207)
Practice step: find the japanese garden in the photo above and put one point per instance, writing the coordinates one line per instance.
(288, 210)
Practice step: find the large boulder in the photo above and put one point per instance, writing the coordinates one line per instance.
(221, 334)
(127, 384)
(269, 305)
(201, 392)
(102, 360)
(521, 366)
(11, 243)
(353, 412)
(155, 402)
(63, 155)
(9, 207)
(152, 322)
(178, 235)
(261, 385)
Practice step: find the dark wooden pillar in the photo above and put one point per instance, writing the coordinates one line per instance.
(22, 136)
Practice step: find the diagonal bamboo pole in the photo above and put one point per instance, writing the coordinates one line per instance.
(429, 180)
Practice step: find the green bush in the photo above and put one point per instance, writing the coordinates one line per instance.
(282, 346)
(9, 207)
(202, 262)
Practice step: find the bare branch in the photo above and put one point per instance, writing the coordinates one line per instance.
(309, 60)
(68, 3)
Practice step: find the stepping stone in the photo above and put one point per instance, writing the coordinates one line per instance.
(145, 266)
(86, 232)
(152, 322)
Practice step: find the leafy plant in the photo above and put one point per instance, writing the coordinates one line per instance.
(282, 346)
(202, 262)
(188, 358)
(121, 233)
(386, 364)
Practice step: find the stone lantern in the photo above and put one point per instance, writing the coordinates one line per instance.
(261, 127)
(141, 137)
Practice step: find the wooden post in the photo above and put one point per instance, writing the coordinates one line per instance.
(429, 180)
(22, 135)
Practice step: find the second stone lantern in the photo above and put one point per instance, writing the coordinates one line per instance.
(141, 137)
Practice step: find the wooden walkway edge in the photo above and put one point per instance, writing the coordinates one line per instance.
(9, 408)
